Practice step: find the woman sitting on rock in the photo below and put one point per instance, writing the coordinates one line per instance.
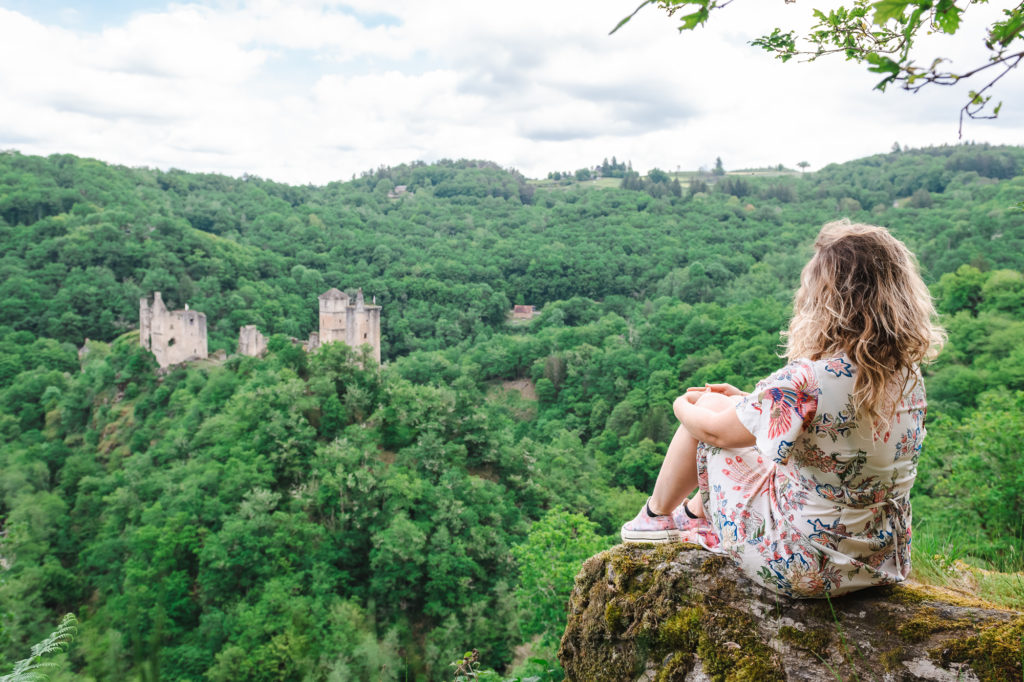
(805, 482)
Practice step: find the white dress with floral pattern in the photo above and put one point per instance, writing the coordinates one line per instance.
(818, 506)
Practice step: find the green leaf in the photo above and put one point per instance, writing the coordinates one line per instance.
(782, 44)
(882, 64)
(888, 9)
(691, 21)
(1005, 32)
(947, 16)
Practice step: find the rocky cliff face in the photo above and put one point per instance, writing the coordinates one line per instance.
(677, 612)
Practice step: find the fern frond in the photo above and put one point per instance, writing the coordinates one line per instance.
(34, 668)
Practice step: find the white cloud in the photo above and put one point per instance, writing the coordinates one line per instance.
(306, 91)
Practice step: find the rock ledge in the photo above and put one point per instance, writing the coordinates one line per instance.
(677, 612)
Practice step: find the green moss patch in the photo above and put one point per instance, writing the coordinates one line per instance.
(904, 594)
(681, 632)
(924, 623)
(614, 617)
(729, 649)
(675, 668)
(892, 658)
(808, 640)
(995, 653)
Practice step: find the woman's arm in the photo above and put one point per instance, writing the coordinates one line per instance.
(711, 417)
(724, 389)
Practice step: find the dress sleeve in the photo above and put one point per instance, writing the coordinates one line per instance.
(780, 408)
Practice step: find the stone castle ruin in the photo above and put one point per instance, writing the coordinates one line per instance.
(173, 336)
(342, 318)
(349, 321)
(179, 336)
(251, 342)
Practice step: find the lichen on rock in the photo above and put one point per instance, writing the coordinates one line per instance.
(676, 612)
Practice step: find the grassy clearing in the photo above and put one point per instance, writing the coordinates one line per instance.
(600, 183)
(765, 172)
(940, 561)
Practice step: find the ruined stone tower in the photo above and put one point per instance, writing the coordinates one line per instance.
(173, 336)
(251, 342)
(352, 322)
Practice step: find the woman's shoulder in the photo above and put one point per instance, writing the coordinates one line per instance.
(811, 375)
(799, 372)
(842, 368)
(838, 366)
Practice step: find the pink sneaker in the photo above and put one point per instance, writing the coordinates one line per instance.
(646, 528)
(683, 521)
(697, 531)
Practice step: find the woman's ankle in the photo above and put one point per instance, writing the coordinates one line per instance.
(652, 512)
(697, 513)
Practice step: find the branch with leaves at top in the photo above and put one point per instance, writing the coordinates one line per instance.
(883, 34)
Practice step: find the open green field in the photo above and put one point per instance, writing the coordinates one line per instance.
(600, 183)
(683, 177)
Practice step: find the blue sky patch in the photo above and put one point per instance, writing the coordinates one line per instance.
(87, 16)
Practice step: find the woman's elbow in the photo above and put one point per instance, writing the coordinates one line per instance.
(729, 435)
(715, 440)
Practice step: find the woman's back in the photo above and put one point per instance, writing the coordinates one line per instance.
(820, 504)
(837, 492)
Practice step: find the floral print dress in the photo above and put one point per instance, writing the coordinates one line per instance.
(819, 506)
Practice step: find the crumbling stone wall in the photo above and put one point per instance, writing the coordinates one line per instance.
(173, 336)
(251, 342)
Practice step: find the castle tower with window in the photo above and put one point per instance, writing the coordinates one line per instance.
(173, 336)
(349, 321)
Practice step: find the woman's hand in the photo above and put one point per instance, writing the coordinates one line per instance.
(682, 404)
(710, 416)
(691, 397)
(725, 389)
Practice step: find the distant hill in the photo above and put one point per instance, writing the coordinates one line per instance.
(83, 241)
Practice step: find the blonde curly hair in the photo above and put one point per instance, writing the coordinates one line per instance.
(862, 295)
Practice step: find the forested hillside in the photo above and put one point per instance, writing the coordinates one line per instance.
(312, 517)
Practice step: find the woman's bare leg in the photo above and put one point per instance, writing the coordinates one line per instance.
(678, 475)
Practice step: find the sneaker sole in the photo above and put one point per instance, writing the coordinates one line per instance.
(655, 536)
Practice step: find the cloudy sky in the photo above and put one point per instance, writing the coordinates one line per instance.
(307, 91)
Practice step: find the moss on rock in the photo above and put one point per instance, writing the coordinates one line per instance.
(808, 640)
(892, 659)
(681, 632)
(661, 612)
(730, 649)
(675, 667)
(614, 618)
(924, 623)
(995, 654)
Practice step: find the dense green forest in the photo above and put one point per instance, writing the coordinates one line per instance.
(313, 517)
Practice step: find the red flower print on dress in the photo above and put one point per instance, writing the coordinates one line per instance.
(799, 397)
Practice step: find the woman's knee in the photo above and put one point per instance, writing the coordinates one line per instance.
(717, 402)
